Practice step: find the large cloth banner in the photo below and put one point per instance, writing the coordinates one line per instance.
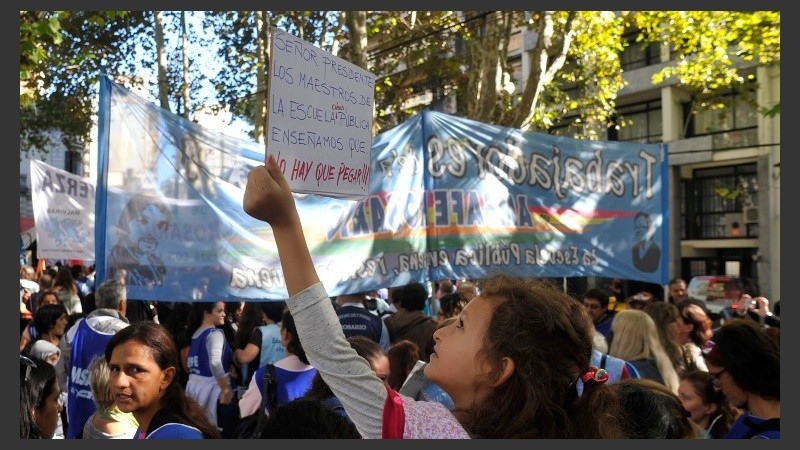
(449, 198)
(64, 213)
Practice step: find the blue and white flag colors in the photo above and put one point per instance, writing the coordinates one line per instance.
(448, 198)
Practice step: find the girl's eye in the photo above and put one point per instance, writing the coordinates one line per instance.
(459, 323)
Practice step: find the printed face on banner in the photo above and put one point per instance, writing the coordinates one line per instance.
(148, 228)
(143, 223)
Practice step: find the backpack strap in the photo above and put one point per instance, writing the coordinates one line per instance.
(267, 392)
(270, 388)
(603, 361)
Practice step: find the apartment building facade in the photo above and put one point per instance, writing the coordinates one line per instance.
(724, 186)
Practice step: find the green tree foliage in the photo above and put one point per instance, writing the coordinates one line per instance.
(62, 56)
(711, 50)
(574, 57)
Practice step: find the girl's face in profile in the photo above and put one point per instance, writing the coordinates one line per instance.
(217, 315)
(454, 364)
(692, 402)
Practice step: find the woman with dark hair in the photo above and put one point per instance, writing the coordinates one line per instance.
(707, 407)
(294, 373)
(694, 330)
(142, 223)
(50, 323)
(403, 356)
(47, 297)
(651, 411)
(144, 362)
(39, 407)
(67, 290)
(209, 361)
(258, 339)
(745, 364)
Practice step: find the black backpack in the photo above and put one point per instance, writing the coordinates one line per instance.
(250, 427)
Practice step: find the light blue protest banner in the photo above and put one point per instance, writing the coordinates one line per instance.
(448, 198)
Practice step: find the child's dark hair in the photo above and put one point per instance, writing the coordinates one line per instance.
(36, 382)
(548, 335)
(293, 345)
(364, 346)
(307, 418)
(651, 411)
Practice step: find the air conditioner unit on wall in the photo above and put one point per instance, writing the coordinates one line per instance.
(750, 214)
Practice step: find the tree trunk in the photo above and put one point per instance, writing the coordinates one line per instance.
(541, 73)
(356, 22)
(262, 96)
(185, 54)
(161, 56)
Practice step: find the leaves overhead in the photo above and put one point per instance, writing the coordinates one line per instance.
(421, 59)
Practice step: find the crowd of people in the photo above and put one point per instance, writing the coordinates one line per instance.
(501, 357)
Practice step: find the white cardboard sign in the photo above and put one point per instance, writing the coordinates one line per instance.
(319, 123)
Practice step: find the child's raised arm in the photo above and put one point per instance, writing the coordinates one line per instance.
(267, 197)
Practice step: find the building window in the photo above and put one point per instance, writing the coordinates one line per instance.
(734, 124)
(637, 54)
(638, 123)
(719, 202)
(73, 162)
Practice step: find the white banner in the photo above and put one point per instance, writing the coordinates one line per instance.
(63, 209)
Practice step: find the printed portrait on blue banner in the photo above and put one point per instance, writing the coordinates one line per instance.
(646, 253)
(144, 222)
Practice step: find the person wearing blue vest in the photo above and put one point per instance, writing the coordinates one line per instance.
(294, 373)
(86, 339)
(209, 362)
(144, 362)
(258, 345)
(357, 320)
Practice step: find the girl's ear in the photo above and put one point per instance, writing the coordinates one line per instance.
(507, 367)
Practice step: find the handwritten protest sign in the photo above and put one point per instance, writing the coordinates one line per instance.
(319, 125)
